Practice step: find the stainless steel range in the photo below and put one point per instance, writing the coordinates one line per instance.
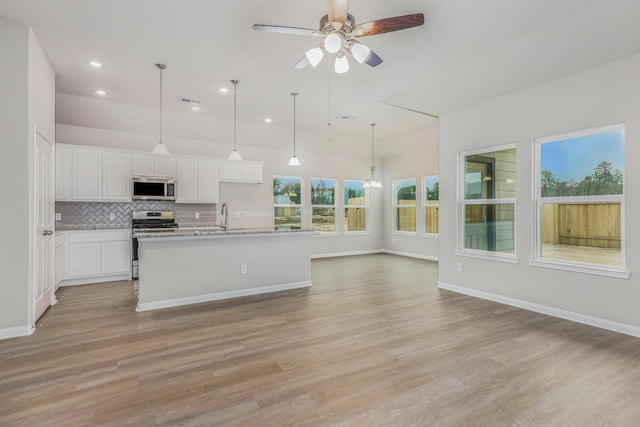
(161, 221)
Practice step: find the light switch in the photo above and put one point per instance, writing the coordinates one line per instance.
(112, 216)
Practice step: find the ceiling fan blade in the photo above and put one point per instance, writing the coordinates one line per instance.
(388, 25)
(303, 63)
(287, 30)
(372, 58)
(338, 12)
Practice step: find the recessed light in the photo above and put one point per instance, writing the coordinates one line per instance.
(267, 120)
(95, 64)
(101, 92)
(348, 117)
(194, 108)
(223, 90)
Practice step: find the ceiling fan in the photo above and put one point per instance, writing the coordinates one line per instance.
(339, 32)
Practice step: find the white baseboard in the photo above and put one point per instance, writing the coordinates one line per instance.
(97, 279)
(18, 331)
(410, 254)
(610, 325)
(349, 253)
(175, 302)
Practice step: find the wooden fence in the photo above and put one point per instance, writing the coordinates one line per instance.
(582, 224)
(355, 218)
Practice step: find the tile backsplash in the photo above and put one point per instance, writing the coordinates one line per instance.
(98, 213)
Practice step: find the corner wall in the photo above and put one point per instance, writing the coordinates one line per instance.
(603, 95)
(416, 165)
(15, 133)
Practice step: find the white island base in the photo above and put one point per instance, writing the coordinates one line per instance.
(187, 269)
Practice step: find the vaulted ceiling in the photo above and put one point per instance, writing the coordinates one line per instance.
(467, 51)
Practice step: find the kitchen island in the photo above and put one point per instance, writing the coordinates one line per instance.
(189, 266)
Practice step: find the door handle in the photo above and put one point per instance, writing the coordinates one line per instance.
(47, 233)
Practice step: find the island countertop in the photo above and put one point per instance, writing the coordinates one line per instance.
(190, 233)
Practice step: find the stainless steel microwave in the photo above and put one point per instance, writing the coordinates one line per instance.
(143, 188)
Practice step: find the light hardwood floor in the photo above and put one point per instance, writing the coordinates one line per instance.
(372, 343)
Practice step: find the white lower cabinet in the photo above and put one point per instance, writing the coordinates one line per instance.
(97, 256)
(59, 258)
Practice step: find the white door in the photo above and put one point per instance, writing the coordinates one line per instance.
(44, 216)
(208, 181)
(116, 177)
(187, 181)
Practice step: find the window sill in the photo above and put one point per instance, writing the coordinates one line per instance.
(430, 235)
(325, 234)
(581, 268)
(404, 233)
(490, 256)
(355, 233)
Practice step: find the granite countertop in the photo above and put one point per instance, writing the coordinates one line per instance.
(216, 231)
(78, 227)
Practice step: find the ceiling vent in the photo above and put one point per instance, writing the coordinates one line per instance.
(189, 101)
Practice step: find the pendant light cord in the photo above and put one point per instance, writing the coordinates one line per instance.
(294, 123)
(372, 142)
(235, 107)
(161, 67)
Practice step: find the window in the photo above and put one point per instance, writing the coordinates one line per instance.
(323, 205)
(579, 198)
(286, 202)
(355, 206)
(430, 203)
(488, 205)
(405, 205)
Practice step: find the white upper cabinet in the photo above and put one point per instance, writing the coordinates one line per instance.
(197, 181)
(230, 171)
(143, 166)
(116, 182)
(241, 171)
(252, 172)
(160, 166)
(187, 181)
(165, 167)
(63, 174)
(87, 175)
(208, 186)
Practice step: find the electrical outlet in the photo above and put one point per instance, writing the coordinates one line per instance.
(197, 215)
(243, 269)
(459, 266)
(58, 216)
(112, 216)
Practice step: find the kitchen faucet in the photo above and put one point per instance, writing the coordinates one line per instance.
(225, 212)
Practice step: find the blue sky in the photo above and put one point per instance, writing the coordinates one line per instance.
(576, 158)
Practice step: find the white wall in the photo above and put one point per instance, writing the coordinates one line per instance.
(603, 95)
(416, 165)
(27, 88)
(14, 172)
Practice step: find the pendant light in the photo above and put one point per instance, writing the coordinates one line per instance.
(160, 148)
(294, 160)
(372, 182)
(235, 155)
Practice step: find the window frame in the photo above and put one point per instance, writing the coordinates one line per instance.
(335, 206)
(537, 259)
(425, 205)
(396, 206)
(281, 205)
(463, 203)
(365, 207)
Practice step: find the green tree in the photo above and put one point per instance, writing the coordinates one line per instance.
(407, 192)
(433, 193)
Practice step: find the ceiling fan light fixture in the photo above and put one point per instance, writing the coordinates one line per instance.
(360, 52)
(333, 43)
(342, 64)
(314, 56)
